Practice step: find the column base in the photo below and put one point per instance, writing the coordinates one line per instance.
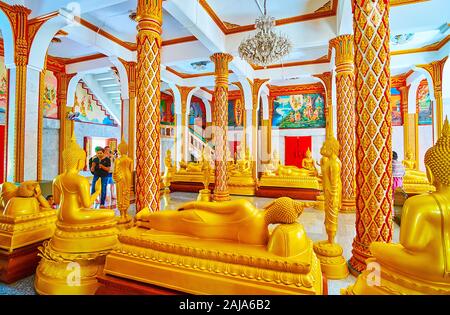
(348, 206)
(221, 196)
(204, 195)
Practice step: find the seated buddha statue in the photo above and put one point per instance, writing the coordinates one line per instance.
(243, 164)
(237, 220)
(168, 170)
(272, 167)
(420, 263)
(412, 175)
(309, 164)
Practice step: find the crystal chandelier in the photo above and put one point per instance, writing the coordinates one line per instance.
(265, 47)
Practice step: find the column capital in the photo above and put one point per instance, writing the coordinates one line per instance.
(130, 67)
(343, 45)
(435, 69)
(149, 16)
(221, 61)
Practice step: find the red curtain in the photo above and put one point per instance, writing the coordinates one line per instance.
(295, 149)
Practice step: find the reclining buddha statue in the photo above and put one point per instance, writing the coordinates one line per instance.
(83, 235)
(414, 181)
(271, 168)
(192, 171)
(25, 215)
(420, 264)
(220, 248)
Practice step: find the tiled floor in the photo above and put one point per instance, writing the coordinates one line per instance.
(312, 220)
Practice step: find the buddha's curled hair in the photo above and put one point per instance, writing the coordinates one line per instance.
(283, 210)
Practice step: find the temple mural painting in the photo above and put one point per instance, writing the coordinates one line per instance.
(235, 113)
(396, 107)
(3, 90)
(424, 105)
(50, 105)
(167, 112)
(299, 111)
(88, 109)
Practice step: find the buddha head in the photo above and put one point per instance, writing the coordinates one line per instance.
(437, 159)
(330, 147)
(283, 210)
(308, 153)
(74, 157)
(123, 147)
(409, 154)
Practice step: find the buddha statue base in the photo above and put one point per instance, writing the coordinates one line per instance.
(124, 223)
(417, 188)
(310, 182)
(332, 262)
(68, 273)
(243, 185)
(206, 266)
(20, 231)
(204, 195)
(320, 204)
(388, 282)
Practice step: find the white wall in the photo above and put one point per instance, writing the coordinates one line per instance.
(167, 144)
(50, 148)
(425, 142)
(397, 141)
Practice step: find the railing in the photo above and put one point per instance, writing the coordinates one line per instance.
(197, 143)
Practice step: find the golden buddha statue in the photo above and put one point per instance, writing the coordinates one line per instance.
(330, 253)
(25, 215)
(309, 164)
(168, 171)
(241, 181)
(205, 193)
(272, 167)
(83, 235)
(221, 248)
(420, 264)
(123, 177)
(414, 181)
(243, 165)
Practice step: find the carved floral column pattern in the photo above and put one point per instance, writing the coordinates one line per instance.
(435, 69)
(221, 61)
(148, 81)
(131, 73)
(184, 93)
(345, 86)
(326, 78)
(373, 129)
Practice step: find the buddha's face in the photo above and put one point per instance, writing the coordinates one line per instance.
(308, 154)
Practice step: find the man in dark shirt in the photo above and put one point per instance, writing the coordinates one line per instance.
(100, 165)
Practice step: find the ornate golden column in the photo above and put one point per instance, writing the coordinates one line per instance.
(256, 86)
(131, 73)
(435, 69)
(66, 126)
(148, 81)
(345, 86)
(184, 93)
(221, 61)
(326, 78)
(373, 129)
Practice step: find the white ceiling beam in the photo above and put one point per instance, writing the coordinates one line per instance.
(89, 65)
(344, 19)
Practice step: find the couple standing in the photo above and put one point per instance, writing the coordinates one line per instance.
(100, 166)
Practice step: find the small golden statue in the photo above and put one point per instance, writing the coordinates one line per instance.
(243, 165)
(414, 181)
(123, 176)
(205, 193)
(272, 167)
(25, 215)
(309, 164)
(330, 253)
(241, 181)
(83, 235)
(420, 264)
(221, 248)
(168, 172)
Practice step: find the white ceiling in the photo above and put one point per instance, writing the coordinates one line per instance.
(68, 48)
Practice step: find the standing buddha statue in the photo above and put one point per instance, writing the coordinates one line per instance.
(328, 251)
(123, 176)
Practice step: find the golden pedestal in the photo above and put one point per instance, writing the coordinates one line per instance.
(20, 231)
(332, 262)
(320, 204)
(243, 185)
(290, 181)
(204, 195)
(387, 281)
(125, 223)
(417, 187)
(206, 266)
(73, 257)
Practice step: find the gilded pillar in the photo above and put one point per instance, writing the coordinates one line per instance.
(269, 125)
(66, 126)
(256, 87)
(435, 69)
(373, 129)
(345, 87)
(221, 61)
(148, 120)
(131, 73)
(184, 93)
(326, 79)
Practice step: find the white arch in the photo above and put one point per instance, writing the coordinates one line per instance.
(8, 39)
(446, 88)
(123, 76)
(247, 91)
(207, 109)
(72, 88)
(43, 38)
